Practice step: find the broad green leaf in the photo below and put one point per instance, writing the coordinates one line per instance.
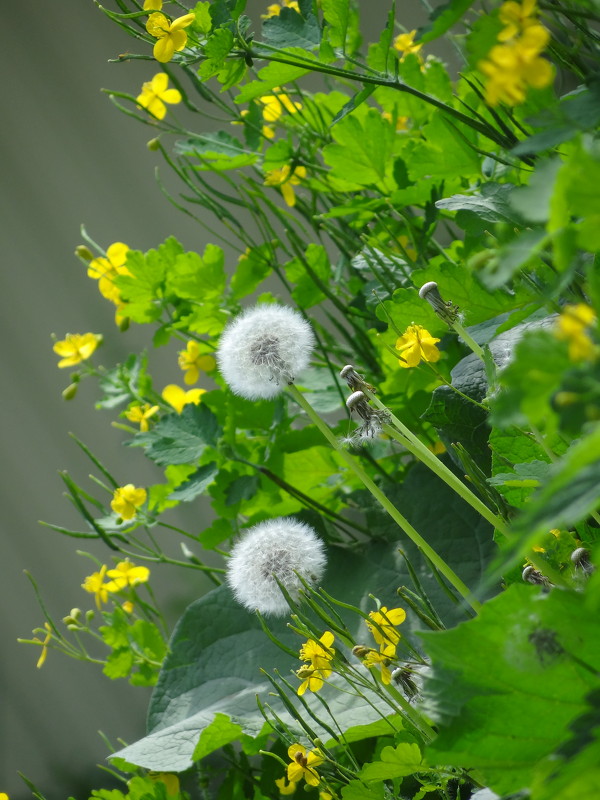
(445, 152)
(491, 204)
(516, 487)
(532, 202)
(180, 438)
(198, 278)
(357, 100)
(407, 308)
(335, 14)
(220, 732)
(119, 663)
(275, 74)
(307, 274)
(196, 484)
(442, 19)
(291, 29)
(203, 21)
(252, 268)
(362, 150)
(356, 790)
(216, 50)
(537, 657)
(395, 762)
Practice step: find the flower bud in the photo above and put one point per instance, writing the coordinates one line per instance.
(83, 252)
(154, 144)
(70, 391)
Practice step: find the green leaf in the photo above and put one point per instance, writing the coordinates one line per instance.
(125, 382)
(362, 149)
(216, 151)
(491, 204)
(202, 21)
(532, 202)
(335, 14)
(516, 487)
(445, 152)
(528, 656)
(198, 278)
(356, 790)
(275, 74)
(220, 732)
(196, 484)
(148, 638)
(395, 762)
(442, 19)
(307, 273)
(291, 29)
(119, 663)
(217, 48)
(354, 102)
(180, 438)
(242, 488)
(512, 257)
(252, 269)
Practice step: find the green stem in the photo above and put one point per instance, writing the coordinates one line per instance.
(468, 340)
(402, 523)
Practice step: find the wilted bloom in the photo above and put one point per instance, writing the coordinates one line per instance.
(171, 36)
(319, 655)
(445, 309)
(416, 344)
(571, 326)
(126, 501)
(263, 349)
(286, 179)
(386, 621)
(274, 10)
(155, 94)
(283, 550)
(94, 584)
(126, 574)
(76, 347)
(303, 765)
(141, 414)
(192, 361)
(179, 398)
(106, 268)
(373, 418)
(404, 43)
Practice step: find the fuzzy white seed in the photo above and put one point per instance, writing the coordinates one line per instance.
(283, 550)
(263, 349)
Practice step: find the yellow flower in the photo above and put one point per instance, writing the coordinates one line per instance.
(274, 10)
(170, 780)
(94, 584)
(127, 499)
(141, 414)
(105, 270)
(319, 654)
(170, 35)
(387, 621)
(516, 17)
(275, 104)
(401, 122)
(267, 131)
(286, 180)
(511, 68)
(284, 786)
(76, 347)
(416, 344)
(405, 43)
(126, 574)
(152, 5)
(571, 327)
(42, 658)
(191, 360)
(127, 607)
(303, 765)
(178, 398)
(382, 659)
(325, 796)
(3, 796)
(155, 94)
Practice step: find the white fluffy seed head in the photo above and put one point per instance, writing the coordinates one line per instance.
(283, 549)
(263, 349)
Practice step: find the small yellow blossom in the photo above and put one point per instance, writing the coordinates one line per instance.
(571, 327)
(382, 659)
(285, 786)
(94, 584)
(267, 131)
(170, 780)
(141, 414)
(152, 5)
(155, 94)
(416, 344)
(106, 269)
(401, 122)
(319, 654)
(127, 607)
(285, 179)
(126, 574)
(384, 630)
(275, 104)
(274, 10)
(42, 658)
(3, 796)
(170, 35)
(303, 765)
(516, 17)
(192, 361)
(76, 347)
(405, 43)
(126, 501)
(178, 398)
(511, 68)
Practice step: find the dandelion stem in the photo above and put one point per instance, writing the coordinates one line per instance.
(401, 521)
(468, 340)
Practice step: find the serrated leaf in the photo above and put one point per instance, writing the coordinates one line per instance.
(394, 762)
(180, 438)
(196, 484)
(491, 204)
(291, 29)
(335, 14)
(274, 74)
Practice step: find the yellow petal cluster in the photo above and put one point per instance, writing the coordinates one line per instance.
(319, 655)
(286, 179)
(141, 414)
(515, 65)
(171, 36)
(383, 624)
(126, 574)
(571, 326)
(76, 347)
(415, 345)
(275, 104)
(155, 94)
(382, 658)
(303, 765)
(126, 501)
(405, 44)
(106, 268)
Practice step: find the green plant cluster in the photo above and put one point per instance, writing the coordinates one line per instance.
(344, 176)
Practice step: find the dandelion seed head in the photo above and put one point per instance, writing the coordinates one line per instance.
(283, 550)
(263, 349)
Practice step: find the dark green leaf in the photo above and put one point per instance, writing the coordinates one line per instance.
(180, 438)
(196, 484)
(442, 19)
(290, 29)
(354, 102)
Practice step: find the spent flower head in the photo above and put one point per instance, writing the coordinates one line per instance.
(280, 551)
(373, 418)
(263, 349)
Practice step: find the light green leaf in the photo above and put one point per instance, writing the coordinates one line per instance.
(220, 732)
(335, 14)
(198, 278)
(202, 21)
(196, 484)
(275, 74)
(395, 762)
(442, 18)
(290, 29)
(362, 150)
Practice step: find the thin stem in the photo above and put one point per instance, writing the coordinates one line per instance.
(468, 340)
(401, 521)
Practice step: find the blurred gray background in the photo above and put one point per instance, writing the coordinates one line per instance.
(69, 157)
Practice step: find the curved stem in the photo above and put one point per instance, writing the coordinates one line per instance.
(391, 509)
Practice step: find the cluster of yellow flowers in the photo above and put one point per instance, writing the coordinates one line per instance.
(383, 628)
(124, 575)
(572, 327)
(515, 64)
